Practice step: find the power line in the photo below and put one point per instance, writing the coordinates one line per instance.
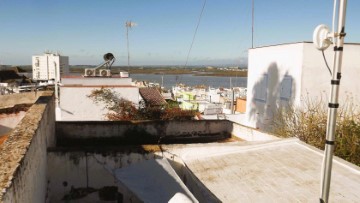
(197, 26)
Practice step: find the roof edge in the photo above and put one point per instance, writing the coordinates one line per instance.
(301, 42)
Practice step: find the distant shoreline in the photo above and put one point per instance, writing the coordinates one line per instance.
(168, 70)
(176, 71)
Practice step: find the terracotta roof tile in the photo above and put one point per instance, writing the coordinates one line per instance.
(152, 96)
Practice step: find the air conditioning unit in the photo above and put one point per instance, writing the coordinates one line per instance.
(104, 73)
(89, 72)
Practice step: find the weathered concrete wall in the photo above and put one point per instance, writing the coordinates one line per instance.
(68, 133)
(78, 169)
(23, 163)
(70, 171)
(21, 98)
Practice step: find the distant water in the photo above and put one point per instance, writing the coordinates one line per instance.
(191, 80)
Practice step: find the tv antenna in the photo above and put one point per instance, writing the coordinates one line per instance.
(323, 38)
(129, 24)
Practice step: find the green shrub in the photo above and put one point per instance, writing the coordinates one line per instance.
(121, 109)
(309, 122)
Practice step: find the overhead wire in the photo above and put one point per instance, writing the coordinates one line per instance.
(327, 65)
(197, 26)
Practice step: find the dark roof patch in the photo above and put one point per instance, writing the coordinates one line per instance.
(8, 75)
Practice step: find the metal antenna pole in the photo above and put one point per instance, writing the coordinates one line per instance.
(128, 24)
(252, 25)
(333, 105)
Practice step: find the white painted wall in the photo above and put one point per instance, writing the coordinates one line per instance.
(316, 78)
(273, 68)
(76, 106)
(95, 81)
(269, 68)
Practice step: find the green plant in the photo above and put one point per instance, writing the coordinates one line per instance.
(121, 109)
(309, 122)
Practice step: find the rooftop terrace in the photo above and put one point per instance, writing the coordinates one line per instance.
(41, 162)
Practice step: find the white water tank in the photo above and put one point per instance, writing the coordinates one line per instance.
(124, 74)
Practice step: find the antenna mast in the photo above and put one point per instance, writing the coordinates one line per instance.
(252, 25)
(128, 25)
(322, 40)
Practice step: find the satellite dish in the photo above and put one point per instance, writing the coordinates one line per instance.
(321, 37)
(108, 57)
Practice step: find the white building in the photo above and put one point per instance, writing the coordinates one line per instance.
(286, 74)
(45, 66)
(75, 105)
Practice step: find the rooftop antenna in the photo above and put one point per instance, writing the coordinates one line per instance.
(252, 23)
(129, 24)
(322, 38)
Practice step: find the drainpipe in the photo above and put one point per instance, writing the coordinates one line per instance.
(333, 105)
(57, 106)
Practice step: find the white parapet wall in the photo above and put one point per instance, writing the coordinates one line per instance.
(75, 104)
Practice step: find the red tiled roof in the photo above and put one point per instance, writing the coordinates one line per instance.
(152, 96)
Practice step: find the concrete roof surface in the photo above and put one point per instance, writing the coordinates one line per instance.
(274, 171)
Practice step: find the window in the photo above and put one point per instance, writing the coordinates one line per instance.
(260, 88)
(37, 62)
(286, 88)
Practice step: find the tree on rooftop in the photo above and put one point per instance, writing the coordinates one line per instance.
(121, 109)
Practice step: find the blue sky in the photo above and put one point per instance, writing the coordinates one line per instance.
(84, 30)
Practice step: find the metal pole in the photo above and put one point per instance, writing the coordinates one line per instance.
(252, 25)
(333, 104)
(232, 97)
(56, 85)
(232, 101)
(127, 39)
(162, 81)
